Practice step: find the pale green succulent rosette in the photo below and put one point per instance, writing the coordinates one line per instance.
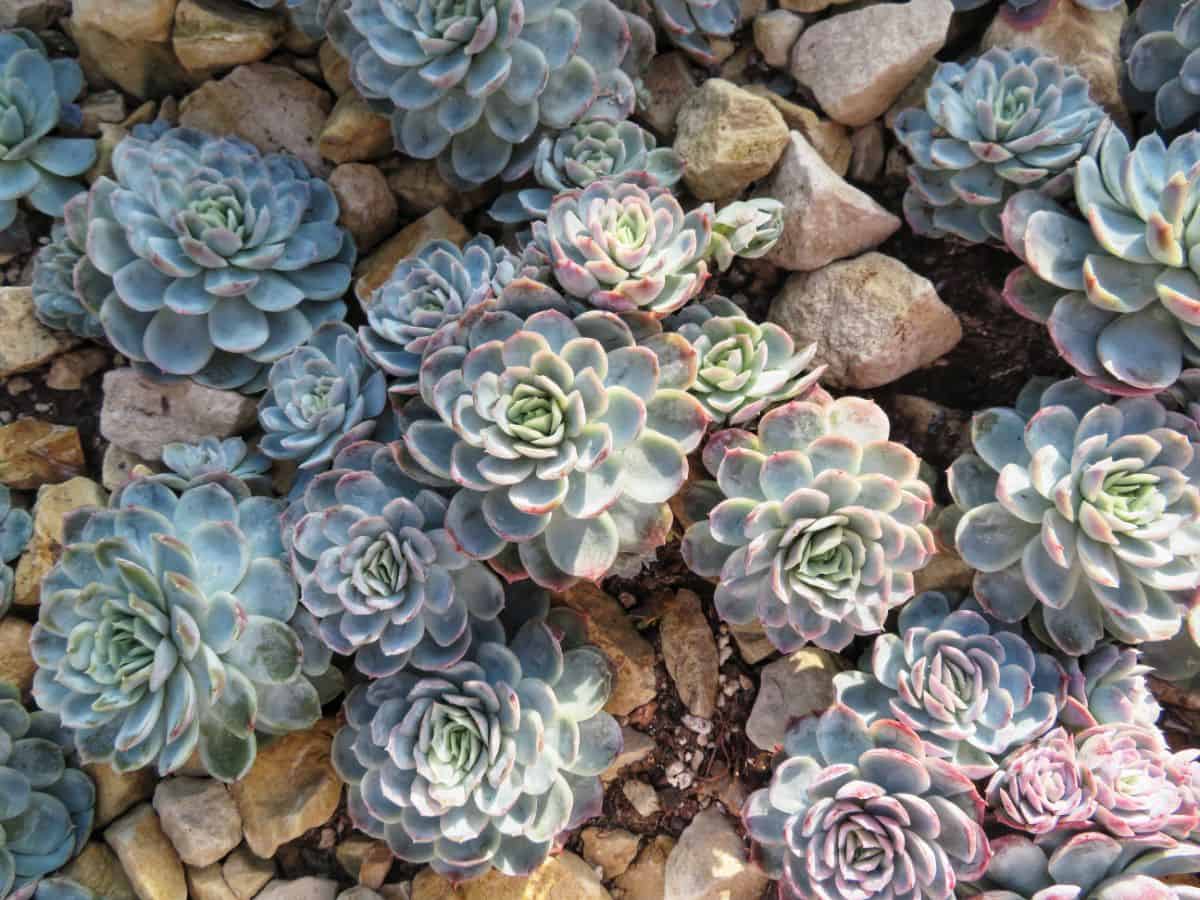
(746, 229)
(210, 456)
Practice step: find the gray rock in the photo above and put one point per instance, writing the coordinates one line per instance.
(118, 464)
(642, 797)
(635, 747)
(612, 849)
(790, 688)
(710, 863)
(300, 889)
(359, 893)
(690, 653)
(199, 817)
(866, 157)
(668, 83)
(775, 34)
(368, 209)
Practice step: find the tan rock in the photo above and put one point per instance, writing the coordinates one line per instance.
(36, 15)
(117, 792)
(642, 797)
(335, 68)
(635, 748)
(561, 877)
(25, 343)
(376, 865)
(375, 269)
(912, 96)
(354, 132)
(630, 654)
(142, 68)
(110, 136)
(646, 878)
(200, 818)
(211, 35)
(207, 883)
(16, 662)
(753, 644)
(291, 788)
(69, 371)
(945, 571)
(245, 873)
(118, 465)
(101, 107)
(866, 159)
(368, 209)
(829, 138)
(361, 857)
(668, 83)
(149, 860)
(690, 652)
(301, 889)
(612, 849)
(710, 863)
(98, 869)
(53, 503)
(134, 20)
(790, 688)
(774, 34)
(421, 188)
(33, 453)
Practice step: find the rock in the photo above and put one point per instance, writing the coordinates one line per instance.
(133, 20)
(69, 371)
(117, 466)
(53, 503)
(561, 877)
(271, 107)
(642, 797)
(33, 453)
(110, 136)
(873, 319)
(710, 863)
(828, 138)
(16, 662)
(368, 209)
(646, 878)
(375, 269)
(208, 883)
(117, 792)
(774, 34)
(211, 35)
(36, 15)
(728, 138)
(141, 67)
(612, 849)
(824, 217)
(791, 688)
(866, 157)
(365, 860)
(690, 652)
(354, 132)
(335, 68)
(98, 869)
(101, 108)
(395, 892)
(635, 747)
(142, 415)
(291, 788)
(200, 818)
(630, 654)
(301, 889)
(857, 63)
(149, 860)
(667, 84)
(753, 643)
(912, 96)
(25, 343)
(930, 429)
(245, 873)
(810, 6)
(421, 188)
(359, 893)
(945, 571)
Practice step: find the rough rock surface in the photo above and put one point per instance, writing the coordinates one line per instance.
(790, 688)
(775, 34)
(25, 343)
(147, 856)
(630, 655)
(368, 209)
(208, 37)
(645, 879)
(33, 453)
(612, 849)
(690, 653)
(16, 662)
(98, 869)
(200, 818)
(375, 269)
(561, 877)
(710, 863)
(53, 503)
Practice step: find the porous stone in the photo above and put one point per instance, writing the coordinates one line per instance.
(117, 792)
(142, 415)
(368, 209)
(33, 453)
(211, 35)
(354, 132)
(561, 877)
(856, 63)
(16, 662)
(827, 137)
(873, 319)
(709, 862)
(98, 869)
(375, 269)
(53, 503)
(636, 746)
(612, 849)
(668, 83)
(824, 217)
(642, 797)
(25, 343)
(797, 685)
(200, 818)
(245, 873)
(774, 34)
(149, 860)
(301, 889)
(645, 879)
(728, 138)
(690, 652)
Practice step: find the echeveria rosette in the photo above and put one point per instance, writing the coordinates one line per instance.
(54, 889)
(223, 260)
(35, 94)
(68, 290)
(1041, 788)
(170, 624)
(567, 439)
(16, 528)
(819, 525)
(483, 764)
(1116, 291)
(46, 804)
(972, 690)
(1081, 509)
(862, 810)
(625, 245)
(379, 571)
(743, 368)
(691, 25)
(1158, 44)
(473, 85)
(1008, 120)
(746, 229)
(577, 157)
(212, 456)
(1108, 686)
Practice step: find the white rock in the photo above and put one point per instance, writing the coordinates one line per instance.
(789, 688)
(775, 34)
(199, 817)
(300, 889)
(642, 797)
(710, 863)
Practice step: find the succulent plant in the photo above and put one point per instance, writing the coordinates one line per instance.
(692, 24)
(819, 527)
(970, 688)
(861, 810)
(211, 456)
(54, 889)
(1158, 78)
(473, 85)
(1116, 292)
(566, 438)
(1008, 120)
(484, 763)
(1177, 659)
(223, 260)
(1106, 687)
(1041, 787)
(170, 624)
(622, 246)
(46, 804)
(745, 228)
(16, 528)
(744, 368)
(575, 158)
(36, 93)
(1081, 509)
(68, 290)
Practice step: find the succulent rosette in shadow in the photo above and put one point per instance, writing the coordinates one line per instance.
(1008, 120)
(54, 889)
(577, 157)
(68, 290)
(483, 764)
(1108, 686)
(1116, 291)
(170, 624)
(308, 15)
(1158, 44)
(210, 456)
(746, 229)
(46, 804)
(223, 260)
(970, 688)
(625, 245)
(16, 528)
(819, 524)
(692, 25)
(323, 392)
(744, 368)
(36, 95)
(862, 810)
(474, 85)
(1082, 509)
(566, 437)
(1041, 788)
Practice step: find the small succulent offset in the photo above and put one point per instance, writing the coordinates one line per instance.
(223, 260)
(1117, 293)
(971, 689)
(1159, 43)
(1041, 788)
(692, 24)
(1008, 120)
(577, 157)
(379, 571)
(68, 291)
(745, 228)
(472, 85)
(1106, 687)
(485, 763)
(16, 528)
(819, 525)
(567, 440)
(861, 810)
(1081, 509)
(46, 804)
(170, 624)
(36, 94)
(744, 368)
(622, 246)
(211, 456)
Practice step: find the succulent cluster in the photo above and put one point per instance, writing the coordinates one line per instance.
(16, 528)
(68, 290)
(746, 229)
(216, 457)
(1159, 80)
(1108, 686)
(692, 25)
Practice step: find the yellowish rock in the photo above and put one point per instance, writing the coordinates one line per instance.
(16, 663)
(69, 371)
(149, 860)
(33, 453)
(635, 747)
(375, 269)
(142, 68)
(117, 792)
(208, 883)
(134, 20)
(98, 869)
(54, 501)
(612, 849)
(335, 68)
(646, 878)
(245, 873)
(354, 132)
(420, 187)
(25, 343)
(829, 138)
(562, 877)
(209, 36)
